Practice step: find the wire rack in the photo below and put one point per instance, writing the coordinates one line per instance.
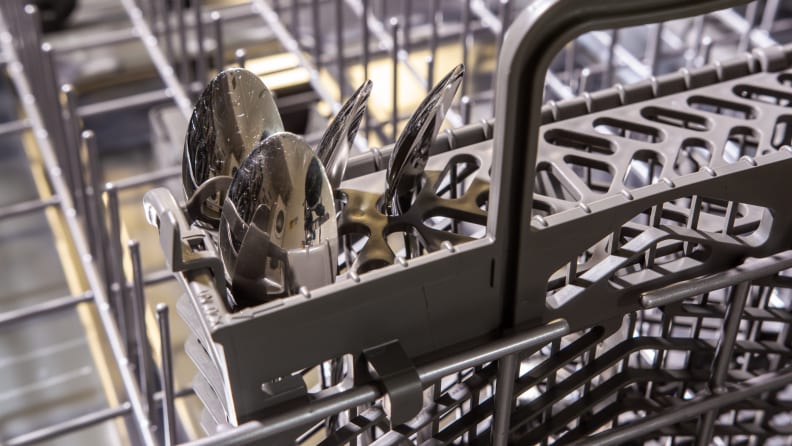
(684, 361)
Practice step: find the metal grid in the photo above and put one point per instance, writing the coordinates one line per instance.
(51, 113)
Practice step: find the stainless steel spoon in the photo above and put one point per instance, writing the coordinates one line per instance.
(235, 112)
(280, 201)
(411, 151)
(333, 150)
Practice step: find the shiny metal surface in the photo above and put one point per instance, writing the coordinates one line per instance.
(280, 199)
(336, 143)
(411, 151)
(235, 112)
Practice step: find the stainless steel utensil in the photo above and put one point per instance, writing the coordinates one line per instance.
(235, 112)
(333, 150)
(411, 150)
(280, 202)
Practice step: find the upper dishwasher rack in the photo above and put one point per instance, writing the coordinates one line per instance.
(632, 220)
(601, 233)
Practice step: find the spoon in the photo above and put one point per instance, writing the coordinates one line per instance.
(333, 150)
(233, 114)
(411, 151)
(279, 202)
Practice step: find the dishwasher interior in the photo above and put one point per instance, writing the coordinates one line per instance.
(653, 248)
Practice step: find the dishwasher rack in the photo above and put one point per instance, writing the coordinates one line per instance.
(569, 366)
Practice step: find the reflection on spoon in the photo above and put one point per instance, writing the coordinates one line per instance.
(235, 112)
(411, 151)
(333, 150)
(280, 200)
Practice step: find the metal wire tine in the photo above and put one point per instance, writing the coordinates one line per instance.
(366, 58)
(728, 337)
(654, 47)
(317, 33)
(503, 13)
(143, 353)
(588, 358)
(555, 346)
(706, 50)
(474, 403)
(11, 11)
(466, 18)
(429, 73)
(570, 52)
(156, 26)
(609, 77)
(72, 145)
(169, 47)
(408, 7)
(200, 34)
(339, 33)
(184, 59)
(434, 11)
(769, 15)
(381, 9)
(33, 16)
(436, 391)
(217, 25)
(295, 19)
(241, 57)
(504, 399)
(750, 18)
(723, 354)
(168, 410)
(117, 287)
(467, 109)
(95, 205)
(693, 52)
(585, 73)
(146, 9)
(49, 99)
(394, 25)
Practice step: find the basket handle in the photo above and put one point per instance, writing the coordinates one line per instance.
(533, 39)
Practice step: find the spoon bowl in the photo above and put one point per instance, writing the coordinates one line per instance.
(234, 113)
(334, 148)
(281, 198)
(411, 150)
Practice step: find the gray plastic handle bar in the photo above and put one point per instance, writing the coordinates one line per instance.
(538, 33)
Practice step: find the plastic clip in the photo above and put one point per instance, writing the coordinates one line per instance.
(397, 374)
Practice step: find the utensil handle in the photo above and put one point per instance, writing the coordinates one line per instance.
(533, 39)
